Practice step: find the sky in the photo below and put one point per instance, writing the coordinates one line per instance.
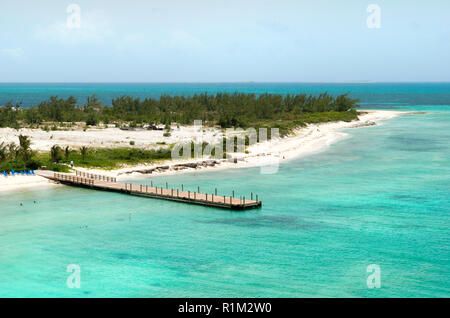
(225, 41)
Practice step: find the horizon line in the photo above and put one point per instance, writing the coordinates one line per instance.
(237, 82)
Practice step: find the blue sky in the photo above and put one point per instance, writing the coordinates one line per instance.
(224, 41)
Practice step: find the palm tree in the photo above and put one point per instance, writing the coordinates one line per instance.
(3, 152)
(24, 149)
(67, 153)
(24, 142)
(84, 151)
(55, 152)
(13, 151)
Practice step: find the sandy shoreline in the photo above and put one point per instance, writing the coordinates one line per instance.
(17, 183)
(304, 141)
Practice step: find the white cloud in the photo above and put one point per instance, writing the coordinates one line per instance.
(94, 27)
(17, 54)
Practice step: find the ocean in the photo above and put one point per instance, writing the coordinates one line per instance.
(379, 197)
(375, 95)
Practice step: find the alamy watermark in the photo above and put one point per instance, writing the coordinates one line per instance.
(74, 279)
(374, 278)
(374, 19)
(235, 140)
(74, 16)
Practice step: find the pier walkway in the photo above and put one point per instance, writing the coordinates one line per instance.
(104, 183)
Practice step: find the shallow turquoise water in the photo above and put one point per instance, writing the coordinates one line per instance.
(380, 196)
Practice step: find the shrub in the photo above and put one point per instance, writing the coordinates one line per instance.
(91, 120)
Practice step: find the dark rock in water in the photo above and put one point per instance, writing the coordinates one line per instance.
(187, 165)
(146, 171)
(210, 163)
(180, 166)
(364, 124)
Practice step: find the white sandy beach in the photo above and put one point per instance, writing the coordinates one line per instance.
(106, 137)
(14, 183)
(304, 141)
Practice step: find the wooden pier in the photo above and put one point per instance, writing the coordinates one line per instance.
(104, 183)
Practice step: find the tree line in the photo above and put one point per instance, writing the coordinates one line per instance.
(224, 109)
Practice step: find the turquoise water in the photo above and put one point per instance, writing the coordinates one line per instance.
(380, 196)
(373, 95)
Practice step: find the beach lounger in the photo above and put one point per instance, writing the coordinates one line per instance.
(13, 172)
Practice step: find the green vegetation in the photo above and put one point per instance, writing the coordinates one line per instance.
(108, 158)
(84, 151)
(223, 109)
(13, 157)
(286, 124)
(285, 112)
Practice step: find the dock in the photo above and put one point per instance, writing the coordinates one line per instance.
(106, 183)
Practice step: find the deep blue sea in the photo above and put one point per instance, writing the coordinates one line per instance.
(381, 196)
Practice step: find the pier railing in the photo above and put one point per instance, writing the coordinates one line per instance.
(110, 184)
(94, 176)
(73, 179)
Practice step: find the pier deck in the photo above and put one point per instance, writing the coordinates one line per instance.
(98, 182)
